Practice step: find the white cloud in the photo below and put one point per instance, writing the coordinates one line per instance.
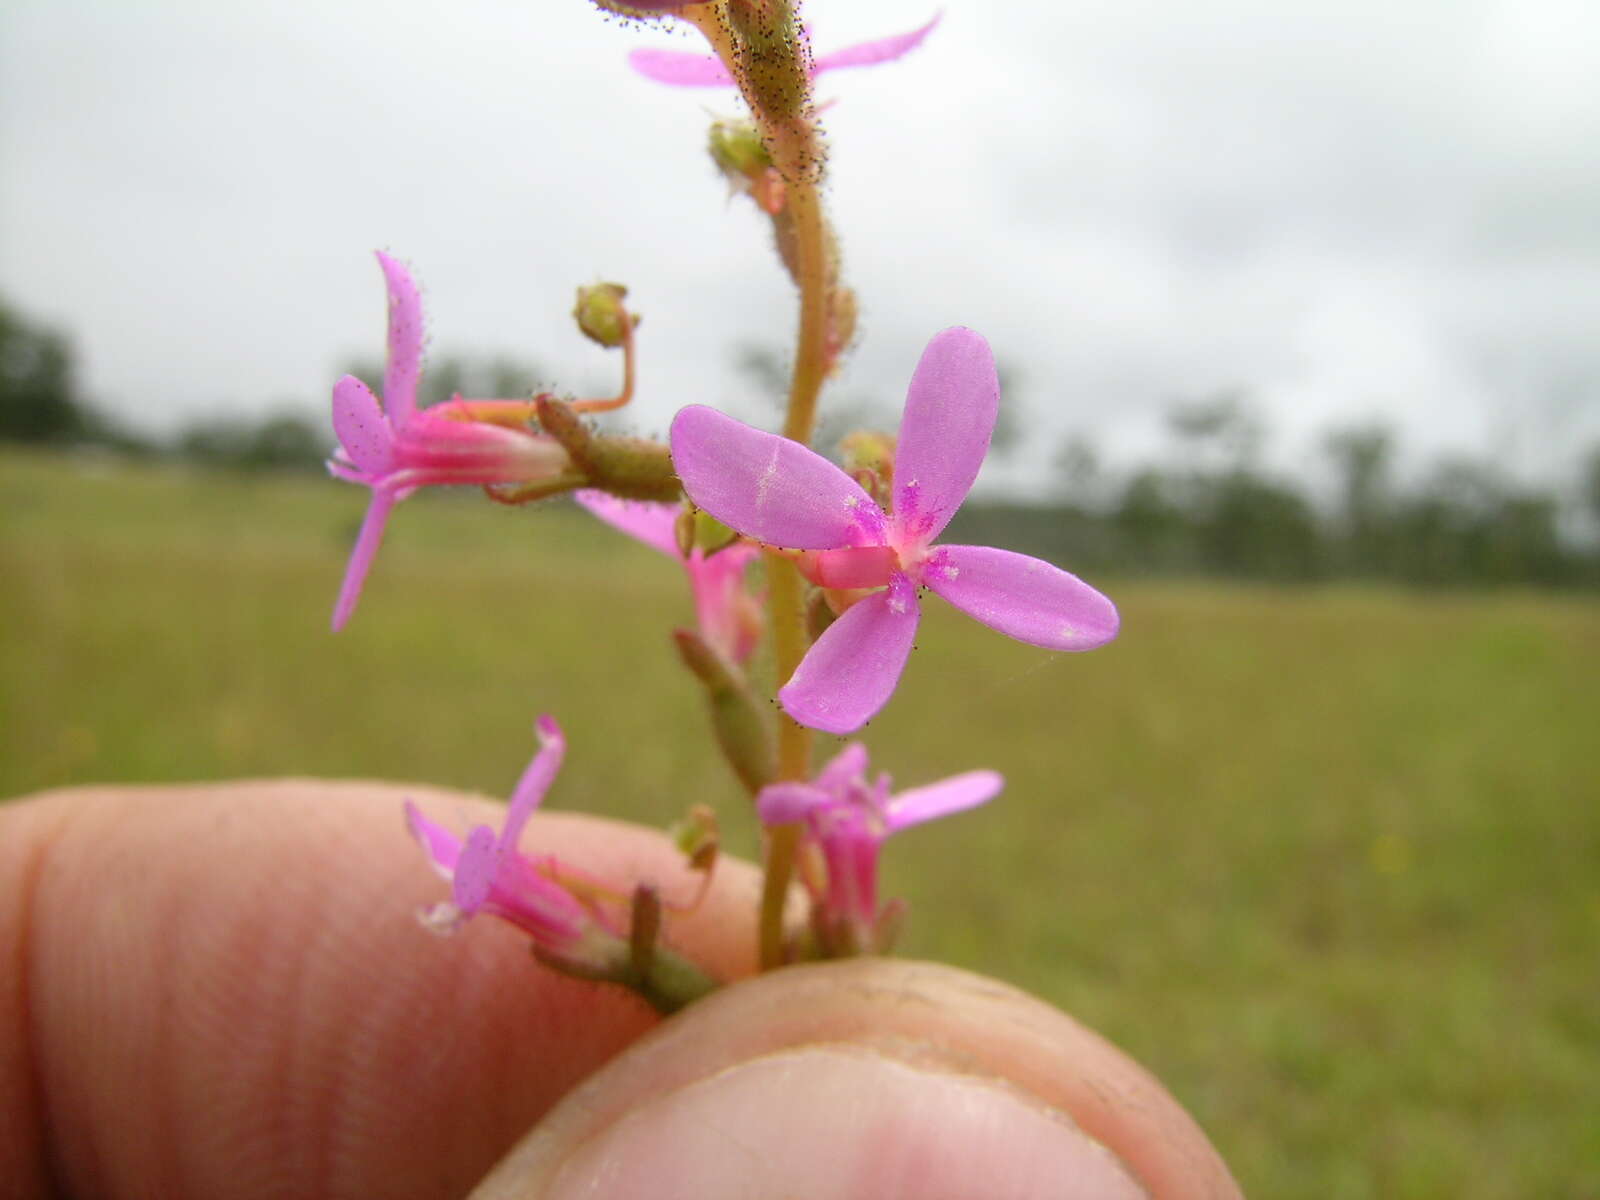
(1350, 207)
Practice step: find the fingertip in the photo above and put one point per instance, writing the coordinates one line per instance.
(868, 1078)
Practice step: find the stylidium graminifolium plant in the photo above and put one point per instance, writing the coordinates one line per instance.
(777, 545)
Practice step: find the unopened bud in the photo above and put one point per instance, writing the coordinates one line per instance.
(819, 614)
(842, 313)
(737, 149)
(601, 314)
(739, 721)
(869, 452)
(697, 837)
(696, 529)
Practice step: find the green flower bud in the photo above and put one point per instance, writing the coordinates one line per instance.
(601, 314)
(737, 149)
(739, 720)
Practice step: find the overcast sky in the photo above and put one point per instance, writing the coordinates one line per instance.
(1354, 209)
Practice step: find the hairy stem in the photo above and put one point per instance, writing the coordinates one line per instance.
(811, 345)
(791, 140)
(787, 616)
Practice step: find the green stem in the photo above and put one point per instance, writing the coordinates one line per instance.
(786, 613)
(811, 345)
(791, 140)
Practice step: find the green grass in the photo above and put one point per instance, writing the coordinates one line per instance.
(1327, 861)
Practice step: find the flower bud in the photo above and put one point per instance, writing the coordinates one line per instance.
(738, 719)
(696, 529)
(697, 837)
(819, 615)
(869, 459)
(601, 314)
(737, 149)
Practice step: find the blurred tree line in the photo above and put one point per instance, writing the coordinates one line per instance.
(1213, 509)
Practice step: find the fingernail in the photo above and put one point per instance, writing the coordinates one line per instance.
(834, 1122)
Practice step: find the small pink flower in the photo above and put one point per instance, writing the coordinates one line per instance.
(682, 68)
(395, 448)
(778, 492)
(728, 615)
(848, 819)
(489, 875)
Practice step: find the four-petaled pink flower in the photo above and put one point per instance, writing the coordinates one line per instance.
(488, 874)
(395, 448)
(682, 68)
(778, 492)
(847, 819)
(728, 615)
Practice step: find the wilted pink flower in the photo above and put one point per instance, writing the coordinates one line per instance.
(848, 819)
(682, 68)
(778, 492)
(488, 874)
(395, 448)
(728, 615)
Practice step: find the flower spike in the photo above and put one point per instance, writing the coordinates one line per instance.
(778, 492)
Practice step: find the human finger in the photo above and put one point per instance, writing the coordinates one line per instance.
(867, 1079)
(222, 991)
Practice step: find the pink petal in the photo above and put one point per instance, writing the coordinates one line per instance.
(784, 803)
(727, 614)
(843, 769)
(680, 68)
(950, 413)
(442, 847)
(535, 781)
(852, 670)
(953, 795)
(865, 54)
(366, 549)
(1025, 598)
(405, 341)
(361, 427)
(476, 869)
(648, 522)
(769, 487)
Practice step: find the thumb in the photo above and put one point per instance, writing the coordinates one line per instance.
(867, 1078)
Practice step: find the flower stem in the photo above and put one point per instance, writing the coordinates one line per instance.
(791, 139)
(811, 346)
(786, 613)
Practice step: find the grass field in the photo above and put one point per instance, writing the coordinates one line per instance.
(1327, 861)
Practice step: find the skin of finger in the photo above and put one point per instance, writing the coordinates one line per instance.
(223, 991)
(933, 1017)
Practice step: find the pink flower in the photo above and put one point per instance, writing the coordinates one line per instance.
(395, 448)
(728, 615)
(778, 492)
(489, 875)
(681, 68)
(848, 819)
